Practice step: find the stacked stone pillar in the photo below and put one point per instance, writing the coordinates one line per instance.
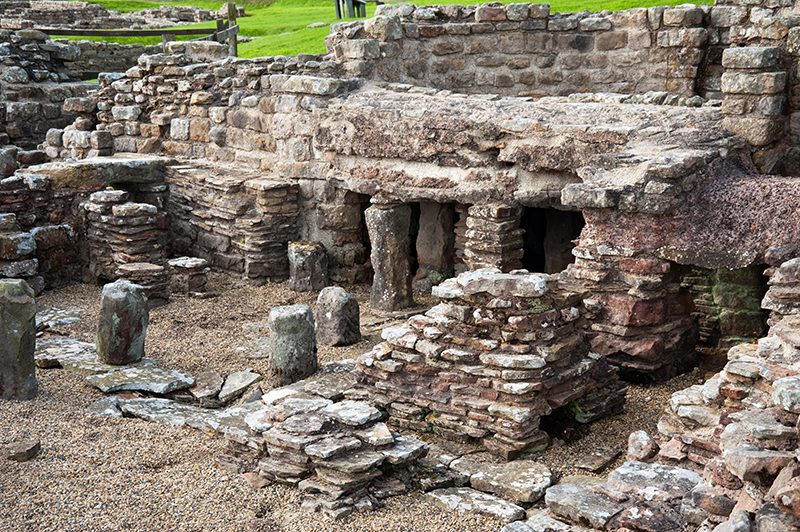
(754, 84)
(639, 313)
(388, 227)
(681, 37)
(494, 239)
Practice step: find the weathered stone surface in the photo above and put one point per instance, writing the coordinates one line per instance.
(353, 413)
(308, 266)
(404, 450)
(786, 393)
(641, 447)
(122, 323)
(337, 317)
(388, 228)
(653, 482)
(107, 407)
(18, 329)
(292, 344)
(752, 463)
(467, 500)
(236, 384)
(207, 385)
(147, 379)
(23, 451)
(519, 481)
(581, 504)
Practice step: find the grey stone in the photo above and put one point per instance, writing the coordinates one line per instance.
(786, 393)
(126, 112)
(519, 481)
(308, 266)
(292, 344)
(329, 385)
(755, 57)
(581, 504)
(165, 412)
(330, 447)
(653, 482)
(356, 462)
(754, 465)
(236, 384)
(468, 500)
(353, 413)
(388, 228)
(107, 407)
(377, 435)
(260, 420)
(384, 28)
(337, 317)
(122, 323)
(305, 423)
(146, 379)
(770, 519)
(16, 75)
(18, 330)
(541, 521)
(404, 450)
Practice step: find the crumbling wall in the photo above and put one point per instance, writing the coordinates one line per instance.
(33, 87)
(100, 56)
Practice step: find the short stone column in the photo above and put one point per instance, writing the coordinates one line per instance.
(18, 330)
(188, 274)
(494, 239)
(435, 244)
(123, 323)
(754, 84)
(308, 266)
(388, 227)
(338, 318)
(292, 345)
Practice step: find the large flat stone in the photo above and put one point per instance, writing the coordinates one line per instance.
(353, 413)
(581, 504)
(236, 384)
(468, 500)
(165, 412)
(519, 481)
(653, 482)
(404, 450)
(145, 379)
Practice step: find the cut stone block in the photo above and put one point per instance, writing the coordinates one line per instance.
(122, 323)
(292, 344)
(18, 330)
(146, 379)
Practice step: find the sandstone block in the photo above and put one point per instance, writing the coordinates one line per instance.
(122, 324)
(337, 317)
(760, 57)
(743, 83)
(18, 328)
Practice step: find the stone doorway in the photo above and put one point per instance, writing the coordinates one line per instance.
(547, 243)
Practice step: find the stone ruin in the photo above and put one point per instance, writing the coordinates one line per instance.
(641, 161)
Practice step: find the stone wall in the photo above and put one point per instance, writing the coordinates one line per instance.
(100, 56)
(48, 14)
(33, 88)
(523, 49)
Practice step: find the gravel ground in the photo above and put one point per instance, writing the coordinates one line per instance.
(128, 474)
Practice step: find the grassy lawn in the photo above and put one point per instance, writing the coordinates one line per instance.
(281, 28)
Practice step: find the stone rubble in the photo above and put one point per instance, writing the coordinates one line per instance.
(499, 352)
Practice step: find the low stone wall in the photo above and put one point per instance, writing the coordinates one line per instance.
(496, 355)
(100, 56)
(33, 87)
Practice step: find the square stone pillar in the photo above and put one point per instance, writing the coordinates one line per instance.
(494, 239)
(435, 244)
(388, 227)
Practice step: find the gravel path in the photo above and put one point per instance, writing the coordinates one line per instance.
(130, 475)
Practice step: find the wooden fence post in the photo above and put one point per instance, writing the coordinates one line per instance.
(233, 48)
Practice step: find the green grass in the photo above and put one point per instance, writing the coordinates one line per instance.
(280, 27)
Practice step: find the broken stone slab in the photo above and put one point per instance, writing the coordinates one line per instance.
(292, 344)
(207, 385)
(298, 404)
(581, 504)
(753, 464)
(165, 412)
(236, 384)
(383, 489)
(329, 385)
(86, 363)
(378, 435)
(429, 476)
(122, 324)
(145, 379)
(259, 420)
(541, 521)
(23, 451)
(596, 461)
(305, 423)
(355, 462)
(653, 482)
(353, 413)
(786, 393)
(649, 517)
(230, 421)
(103, 171)
(404, 450)
(18, 330)
(467, 500)
(337, 317)
(330, 447)
(106, 407)
(519, 481)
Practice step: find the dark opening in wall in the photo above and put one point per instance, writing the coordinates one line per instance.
(434, 244)
(413, 233)
(548, 238)
(727, 309)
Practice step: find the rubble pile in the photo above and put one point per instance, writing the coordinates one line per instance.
(188, 274)
(783, 295)
(499, 353)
